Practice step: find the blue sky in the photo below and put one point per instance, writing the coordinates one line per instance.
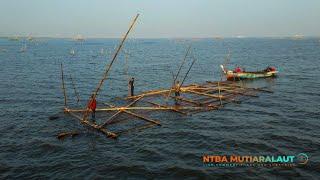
(160, 18)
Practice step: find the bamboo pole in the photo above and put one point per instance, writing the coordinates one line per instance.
(120, 110)
(183, 62)
(162, 107)
(227, 98)
(139, 116)
(188, 101)
(194, 60)
(63, 87)
(176, 77)
(205, 94)
(200, 88)
(142, 117)
(94, 126)
(149, 93)
(110, 65)
(118, 121)
(169, 108)
(115, 56)
(110, 118)
(157, 92)
(219, 94)
(75, 89)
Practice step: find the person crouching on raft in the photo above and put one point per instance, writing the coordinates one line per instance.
(238, 70)
(177, 92)
(92, 105)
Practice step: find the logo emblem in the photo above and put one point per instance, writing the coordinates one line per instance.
(302, 158)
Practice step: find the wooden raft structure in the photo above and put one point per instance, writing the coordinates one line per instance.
(134, 112)
(128, 114)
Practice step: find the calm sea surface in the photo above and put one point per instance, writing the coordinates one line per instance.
(285, 122)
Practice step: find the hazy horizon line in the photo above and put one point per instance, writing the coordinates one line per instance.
(150, 37)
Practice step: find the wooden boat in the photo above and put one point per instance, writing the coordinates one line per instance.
(240, 75)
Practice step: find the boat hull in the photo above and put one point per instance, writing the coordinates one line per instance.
(231, 76)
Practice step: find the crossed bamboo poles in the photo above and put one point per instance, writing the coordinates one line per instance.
(209, 94)
(205, 102)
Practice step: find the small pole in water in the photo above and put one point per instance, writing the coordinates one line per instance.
(63, 87)
(219, 93)
(75, 90)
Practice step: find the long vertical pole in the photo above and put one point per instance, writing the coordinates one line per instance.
(75, 89)
(108, 67)
(176, 77)
(194, 60)
(184, 60)
(114, 57)
(63, 87)
(219, 93)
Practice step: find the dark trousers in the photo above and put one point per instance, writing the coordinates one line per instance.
(93, 114)
(177, 94)
(132, 91)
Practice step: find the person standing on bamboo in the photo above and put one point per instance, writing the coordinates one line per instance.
(177, 92)
(92, 105)
(131, 87)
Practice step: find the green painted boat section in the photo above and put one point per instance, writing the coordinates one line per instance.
(250, 75)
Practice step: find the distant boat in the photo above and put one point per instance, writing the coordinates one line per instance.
(29, 38)
(102, 51)
(15, 38)
(240, 36)
(72, 52)
(298, 37)
(79, 38)
(23, 48)
(218, 37)
(3, 50)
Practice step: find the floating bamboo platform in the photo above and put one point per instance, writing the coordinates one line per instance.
(139, 112)
(113, 120)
